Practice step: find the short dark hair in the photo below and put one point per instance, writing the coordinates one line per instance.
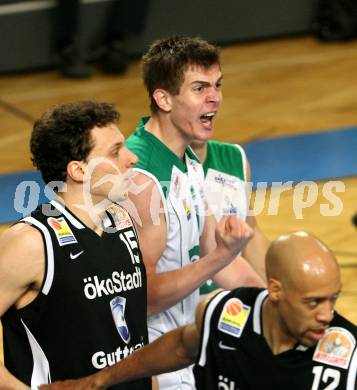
(62, 135)
(165, 63)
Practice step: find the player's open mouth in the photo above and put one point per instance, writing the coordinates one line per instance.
(317, 334)
(207, 118)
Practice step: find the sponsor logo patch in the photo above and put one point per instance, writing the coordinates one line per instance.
(186, 206)
(226, 194)
(62, 231)
(335, 348)
(233, 317)
(101, 359)
(122, 219)
(117, 306)
(176, 183)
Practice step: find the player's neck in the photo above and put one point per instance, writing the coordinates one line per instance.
(200, 151)
(162, 128)
(84, 209)
(274, 333)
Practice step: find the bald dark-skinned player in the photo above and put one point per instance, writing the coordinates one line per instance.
(285, 337)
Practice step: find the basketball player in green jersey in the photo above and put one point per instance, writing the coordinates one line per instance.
(183, 79)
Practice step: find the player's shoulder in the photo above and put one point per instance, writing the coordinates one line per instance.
(242, 302)
(248, 294)
(222, 147)
(341, 322)
(242, 297)
(229, 314)
(226, 157)
(20, 233)
(154, 158)
(142, 146)
(21, 241)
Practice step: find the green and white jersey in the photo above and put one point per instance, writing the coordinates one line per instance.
(225, 169)
(181, 185)
(225, 179)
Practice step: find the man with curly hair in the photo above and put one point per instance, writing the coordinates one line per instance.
(72, 279)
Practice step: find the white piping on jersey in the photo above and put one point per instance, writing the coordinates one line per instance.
(41, 368)
(49, 250)
(245, 169)
(154, 178)
(245, 161)
(206, 325)
(352, 373)
(257, 311)
(68, 215)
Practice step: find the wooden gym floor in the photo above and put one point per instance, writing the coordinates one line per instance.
(271, 88)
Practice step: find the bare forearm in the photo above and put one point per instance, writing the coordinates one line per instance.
(167, 288)
(255, 252)
(163, 355)
(169, 353)
(239, 273)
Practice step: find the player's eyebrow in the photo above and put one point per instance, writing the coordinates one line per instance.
(116, 146)
(319, 298)
(205, 82)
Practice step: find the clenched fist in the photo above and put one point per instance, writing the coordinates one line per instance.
(232, 234)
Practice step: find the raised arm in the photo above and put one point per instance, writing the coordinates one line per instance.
(255, 250)
(21, 274)
(167, 288)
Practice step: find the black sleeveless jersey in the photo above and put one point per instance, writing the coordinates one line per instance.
(91, 310)
(234, 354)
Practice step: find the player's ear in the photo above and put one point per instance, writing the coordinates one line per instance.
(163, 99)
(76, 170)
(274, 289)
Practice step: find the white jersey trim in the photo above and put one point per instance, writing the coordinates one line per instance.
(154, 178)
(352, 373)
(49, 251)
(206, 326)
(257, 311)
(41, 367)
(68, 215)
(245, 169)
(244, 161)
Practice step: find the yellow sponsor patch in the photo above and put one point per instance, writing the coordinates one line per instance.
(62, 231)
(233, 317)
(335, 348)
(186, 206)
